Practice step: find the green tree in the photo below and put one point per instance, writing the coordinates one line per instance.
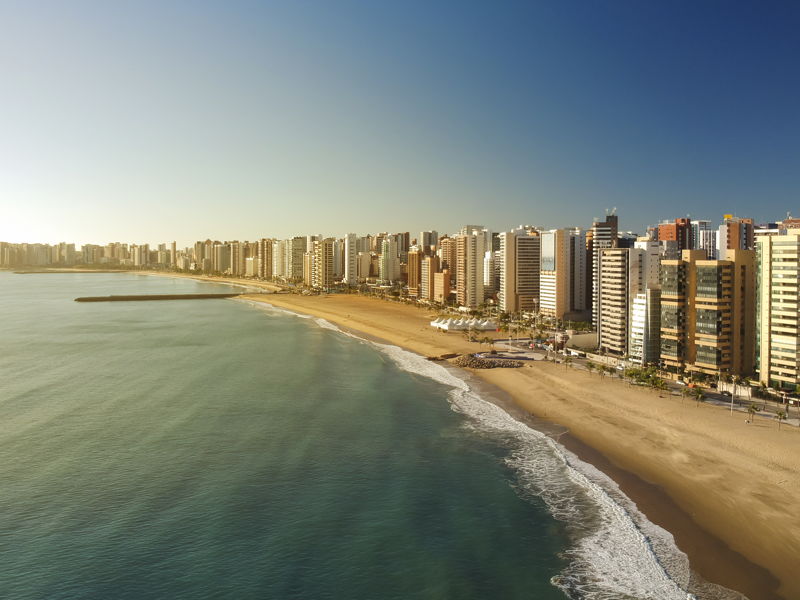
(699, 396)
(590, 366)
(746, 382)
(752, 410)
(764, 393)
(685, 393)
(780, 415)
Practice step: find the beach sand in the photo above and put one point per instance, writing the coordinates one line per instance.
(725, 489)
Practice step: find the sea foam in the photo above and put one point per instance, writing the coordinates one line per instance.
(617, 553)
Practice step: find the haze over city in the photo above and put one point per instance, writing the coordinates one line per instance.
(154, 121)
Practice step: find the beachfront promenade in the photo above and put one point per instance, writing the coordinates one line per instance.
(767, 409)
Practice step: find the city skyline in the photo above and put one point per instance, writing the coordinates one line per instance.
(238, 120)
(650, 229)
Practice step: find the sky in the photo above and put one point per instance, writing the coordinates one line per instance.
(158, 121)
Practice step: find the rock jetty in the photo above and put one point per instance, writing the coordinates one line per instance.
(473, 362)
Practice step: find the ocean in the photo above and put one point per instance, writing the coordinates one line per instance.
(226, 449)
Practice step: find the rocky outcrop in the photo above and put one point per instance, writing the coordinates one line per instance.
(473, 362)
(442, 357)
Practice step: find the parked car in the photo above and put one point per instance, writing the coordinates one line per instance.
(680, 382)
(726, 393)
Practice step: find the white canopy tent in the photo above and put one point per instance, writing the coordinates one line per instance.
(463, 324)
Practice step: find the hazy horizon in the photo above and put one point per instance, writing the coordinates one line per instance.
(153, 122)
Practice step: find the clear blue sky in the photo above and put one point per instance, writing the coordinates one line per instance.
(152, 121)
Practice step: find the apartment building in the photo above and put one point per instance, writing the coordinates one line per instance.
(520, 263)
(778, 309)
(708, 313)
(470, 248)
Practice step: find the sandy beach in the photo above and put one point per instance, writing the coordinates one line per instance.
(725, 489)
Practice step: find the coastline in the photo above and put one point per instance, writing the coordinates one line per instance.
(683, 465)
(724, 490)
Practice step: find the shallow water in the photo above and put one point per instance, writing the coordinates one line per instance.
(205, 449)
(222, 449)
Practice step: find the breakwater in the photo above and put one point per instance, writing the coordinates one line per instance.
(139, 298)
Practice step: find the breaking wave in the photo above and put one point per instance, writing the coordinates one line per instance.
(616, 552)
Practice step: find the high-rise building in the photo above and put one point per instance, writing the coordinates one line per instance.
(265, 256)
(708, 313)
(520, 263)
(376, 242)
(704, 237)
(295, 262)
(415, 257)
(389, 261)
(278, 258)
(363, 265)
(350, 257)
(777, 314)
(308, 269)
(322, 264)
(403, 241)
(624, 273)
(199, 252)
(441, 287)
(428, 239)
(644, 343)
(562, 273)
(251, 266)
(430, 266)
(491, 274)
(448, 254)
(237, 256)
(678, 231)
(735, 234)
(603, 234)
(470, 249)
(220, 257)
(364, 243)
(578, 300)
(338, 259)
(140, 255)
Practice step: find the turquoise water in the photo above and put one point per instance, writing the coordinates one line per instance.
(211, 449)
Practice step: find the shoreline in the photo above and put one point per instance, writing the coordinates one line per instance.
(707, 527)
(681, 465)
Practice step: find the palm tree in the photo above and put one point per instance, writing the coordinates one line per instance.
(589, 366)
(699, 396)
(738, 383)
(780, 415)
(749, 388)
(752, 409)
(685, 393)
(567, 362)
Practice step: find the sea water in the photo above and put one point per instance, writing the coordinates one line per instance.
(225, 449)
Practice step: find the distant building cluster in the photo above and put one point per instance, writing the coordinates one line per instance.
(688, 296)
